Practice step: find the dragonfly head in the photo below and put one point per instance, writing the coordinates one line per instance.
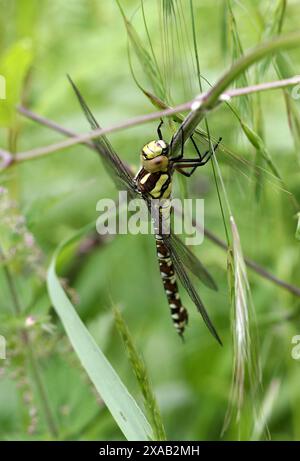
(154, 156)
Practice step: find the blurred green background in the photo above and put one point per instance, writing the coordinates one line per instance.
(46, 200)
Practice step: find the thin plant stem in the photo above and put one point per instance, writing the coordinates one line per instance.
(37, 377)
(199, 106)
(11, 285)
(210, 235)
(36, 374)
(206, 123)
(255, 266)
(217, 92)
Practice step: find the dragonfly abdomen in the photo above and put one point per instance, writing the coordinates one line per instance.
(154, 181)
(178, 311)
(158, 185)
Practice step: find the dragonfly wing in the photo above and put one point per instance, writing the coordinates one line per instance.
(192, 263)
(118, 171)
(187, 284)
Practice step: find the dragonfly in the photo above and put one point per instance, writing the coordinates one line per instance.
(154, 181)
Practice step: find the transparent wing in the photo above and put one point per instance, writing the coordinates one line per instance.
(117, 170)
(170, 72)
(187, 284)
(192, 263)
(123, 178)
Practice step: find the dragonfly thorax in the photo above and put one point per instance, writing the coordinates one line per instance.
(154, 156)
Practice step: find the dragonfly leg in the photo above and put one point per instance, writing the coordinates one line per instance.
(209, 151)
(159, 133)
(202, 160)
(180, 164)
(196, 147)
(188, 174)
(194, 165)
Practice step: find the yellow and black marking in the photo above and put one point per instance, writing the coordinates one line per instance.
(154, 178)
(155, 181)
(156, 185)
(178, 311)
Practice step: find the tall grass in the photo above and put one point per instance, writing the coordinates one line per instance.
(171, 60)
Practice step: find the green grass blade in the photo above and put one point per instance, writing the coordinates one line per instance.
(285, 69)
(287, 41)
(196, 55)
(244, 103)
(142, 377)
(268, 405)
(118, 400)
(14, 66)
(254, 138)
(273, 27)
(246, 367)
(224, 30)
(145, 58)
(251, 120)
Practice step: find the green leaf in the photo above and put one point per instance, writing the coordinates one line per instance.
(14, 66)
(118, 400)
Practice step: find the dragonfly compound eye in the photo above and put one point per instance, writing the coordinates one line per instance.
(153, 149)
